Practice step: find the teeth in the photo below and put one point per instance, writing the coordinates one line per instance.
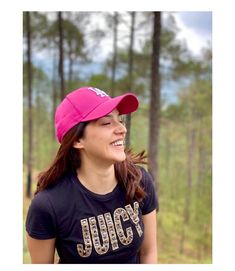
(117, 143)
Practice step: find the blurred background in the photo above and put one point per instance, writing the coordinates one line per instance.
(163, 57)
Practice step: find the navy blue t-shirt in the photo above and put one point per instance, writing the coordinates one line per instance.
(88, 227)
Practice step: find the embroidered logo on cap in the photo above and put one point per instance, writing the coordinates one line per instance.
(98, 92)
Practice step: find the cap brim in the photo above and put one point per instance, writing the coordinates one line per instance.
(125, 104)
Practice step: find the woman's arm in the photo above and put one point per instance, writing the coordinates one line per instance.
(148, 251)
(41, 251)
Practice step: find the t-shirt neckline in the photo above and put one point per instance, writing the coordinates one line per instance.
(102, 197)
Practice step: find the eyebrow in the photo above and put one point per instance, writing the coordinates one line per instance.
(110, 116)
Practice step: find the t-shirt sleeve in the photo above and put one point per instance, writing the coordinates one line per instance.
(41, 221)
(150, 202)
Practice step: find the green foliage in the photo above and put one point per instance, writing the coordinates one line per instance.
(101, 80)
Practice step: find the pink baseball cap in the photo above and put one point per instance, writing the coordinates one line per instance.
(90, 103)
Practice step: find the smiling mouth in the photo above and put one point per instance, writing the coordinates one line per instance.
(118, 143)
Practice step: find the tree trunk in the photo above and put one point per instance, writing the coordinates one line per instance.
(61, 55)
(191, 146)
(37, 132)
(199, 190)
(114, 63)
(70, 56)
(130, 75)
(201, 164)
(154, 112)
(30, 120)
(54, 94)
(172, 190)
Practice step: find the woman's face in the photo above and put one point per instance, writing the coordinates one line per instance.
(103, 140)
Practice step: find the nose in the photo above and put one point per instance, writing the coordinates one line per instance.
(120, 128)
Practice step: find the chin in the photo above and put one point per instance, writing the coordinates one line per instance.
(120, 157)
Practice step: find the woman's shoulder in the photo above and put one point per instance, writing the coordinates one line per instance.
(146, 176)
(53, 197)
(60, 184)
(57, 189)
(40, 202)
(150, 201)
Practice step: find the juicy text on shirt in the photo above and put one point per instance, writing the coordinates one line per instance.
(110, 229)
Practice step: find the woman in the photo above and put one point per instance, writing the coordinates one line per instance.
(93, 204)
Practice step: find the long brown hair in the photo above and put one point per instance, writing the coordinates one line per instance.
(67, 159)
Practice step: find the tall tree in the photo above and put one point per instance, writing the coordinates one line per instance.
(61, 54)
(30, 121)
(54, 91)
(73, 43)
(191, 135)
(130, 74)
(114, 62)
(154, 112)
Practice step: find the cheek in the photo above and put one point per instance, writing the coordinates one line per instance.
(97, 139)
(97, 142)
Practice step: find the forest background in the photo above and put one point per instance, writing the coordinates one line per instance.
(173, 123)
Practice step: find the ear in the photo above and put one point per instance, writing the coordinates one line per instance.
(78, 145)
